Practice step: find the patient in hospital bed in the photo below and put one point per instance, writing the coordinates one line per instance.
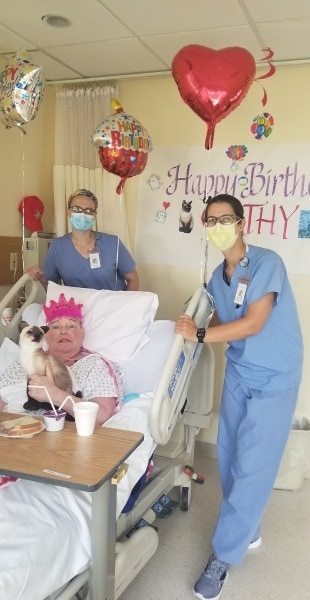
(95, 377)
(31, 512)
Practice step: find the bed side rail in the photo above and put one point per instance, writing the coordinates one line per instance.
(171, 392)
(33, 291)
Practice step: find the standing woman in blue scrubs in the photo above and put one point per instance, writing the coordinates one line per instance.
(87, 258)
(256, 316)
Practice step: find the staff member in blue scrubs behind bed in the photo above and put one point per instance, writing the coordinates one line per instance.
(87, 258)
(256, 315)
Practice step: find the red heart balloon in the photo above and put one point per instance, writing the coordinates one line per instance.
(213, 82)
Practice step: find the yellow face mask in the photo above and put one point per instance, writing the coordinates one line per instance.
(222, 237)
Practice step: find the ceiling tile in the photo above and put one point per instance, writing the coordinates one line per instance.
(90, 21)
(289, 40)
(167, 46)
(53, 70)
(108, 58)
(10, 42)
(151, 18)
(265, 11)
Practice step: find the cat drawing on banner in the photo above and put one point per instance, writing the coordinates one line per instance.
(154, 181)
(160, 216)
(186, 221)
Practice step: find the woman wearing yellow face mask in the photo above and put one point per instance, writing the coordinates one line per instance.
(256, 316)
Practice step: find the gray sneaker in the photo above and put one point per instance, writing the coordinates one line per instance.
(210, 583)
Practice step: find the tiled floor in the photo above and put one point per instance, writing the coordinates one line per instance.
(278, 570)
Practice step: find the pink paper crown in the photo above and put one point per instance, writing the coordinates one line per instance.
(62, 308)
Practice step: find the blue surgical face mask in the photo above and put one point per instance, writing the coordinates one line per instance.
(82, 222)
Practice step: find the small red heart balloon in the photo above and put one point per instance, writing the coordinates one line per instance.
(213, 82)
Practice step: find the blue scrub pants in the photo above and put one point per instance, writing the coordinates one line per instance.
(254, 426)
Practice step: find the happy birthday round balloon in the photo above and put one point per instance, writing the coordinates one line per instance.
(124, 145)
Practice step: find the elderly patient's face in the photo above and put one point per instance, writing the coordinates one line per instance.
(65, 336)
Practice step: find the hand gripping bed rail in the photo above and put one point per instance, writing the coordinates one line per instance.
(33, 291)
(171, 391)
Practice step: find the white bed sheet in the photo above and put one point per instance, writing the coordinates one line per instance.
(43, 543)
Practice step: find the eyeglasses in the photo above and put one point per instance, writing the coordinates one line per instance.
(224, 220)
(79, 210)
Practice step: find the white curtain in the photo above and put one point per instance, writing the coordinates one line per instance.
(79, 111)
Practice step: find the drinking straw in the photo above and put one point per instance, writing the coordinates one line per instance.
(65, 400)
(42, 387)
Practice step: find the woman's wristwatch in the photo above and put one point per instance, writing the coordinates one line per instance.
(201, 332)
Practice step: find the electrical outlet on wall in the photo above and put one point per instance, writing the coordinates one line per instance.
(13, 261)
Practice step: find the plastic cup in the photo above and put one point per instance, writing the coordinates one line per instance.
(85, 414)
(54, 422)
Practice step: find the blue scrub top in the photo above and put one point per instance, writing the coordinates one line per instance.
(64, 262)
(273, 356)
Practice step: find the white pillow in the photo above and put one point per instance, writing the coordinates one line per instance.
(115, 322)
(143, 371)
(32, 313)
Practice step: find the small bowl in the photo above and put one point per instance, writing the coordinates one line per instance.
(54, 422)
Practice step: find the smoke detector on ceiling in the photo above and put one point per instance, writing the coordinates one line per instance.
(56, 21)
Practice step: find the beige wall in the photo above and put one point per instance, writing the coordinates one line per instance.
(26, 168)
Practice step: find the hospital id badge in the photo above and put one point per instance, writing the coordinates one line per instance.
(241, 291)
(94, 260)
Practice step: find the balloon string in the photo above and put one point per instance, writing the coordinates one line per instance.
(118, 237)
(204, 243)
(203, 260)
(121, 230)
(23, 196)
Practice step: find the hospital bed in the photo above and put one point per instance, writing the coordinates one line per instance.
(168, 397)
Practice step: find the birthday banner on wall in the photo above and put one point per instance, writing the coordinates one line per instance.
(271, 181)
